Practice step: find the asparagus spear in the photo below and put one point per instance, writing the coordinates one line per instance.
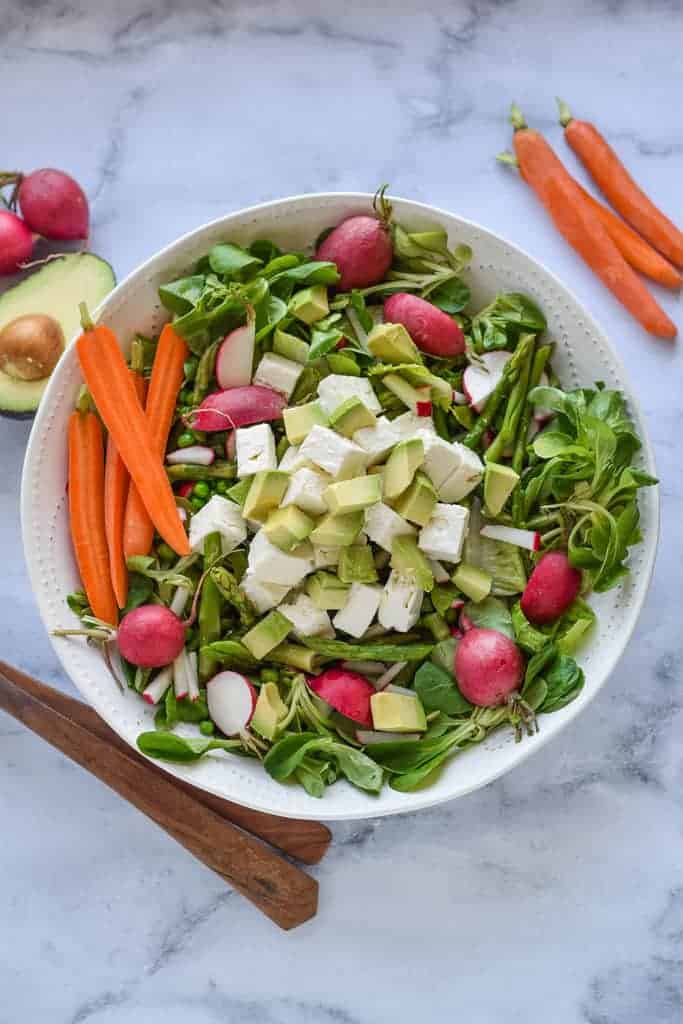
(516, 402)
(540, 359)
(209, 607)
(204, 373)
(220, 470)
(227, 585)
(510, 373)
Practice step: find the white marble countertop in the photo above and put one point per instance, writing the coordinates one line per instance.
(554, 894)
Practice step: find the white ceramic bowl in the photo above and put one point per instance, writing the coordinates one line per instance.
(583, 355)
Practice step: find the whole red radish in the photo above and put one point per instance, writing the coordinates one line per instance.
(432, 330)
(150, 636)
(551, 589)
(54, 205)
(488, 667)
(361, 248)
(16, 242)
(238, 407)
(347, 692)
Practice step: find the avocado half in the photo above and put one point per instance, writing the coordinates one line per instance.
(56, 290)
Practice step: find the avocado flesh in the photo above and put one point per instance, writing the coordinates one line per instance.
(55, 290)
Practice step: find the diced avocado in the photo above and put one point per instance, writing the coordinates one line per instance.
(409, 395)
(238, 492)
(464, 415)
(416, 504)
(337, 530)
(54, 291)
(499, 483)
(266, 491)
(300, 420)
(397, 712)
(351, 416)
(339, 362)
(391, 343)
(290, 347)
(356, 564)
(270, 708)
(405, 459)
(407, 559)
(310, 304)
(472, 581)
(353, 495)
(267, 634)
(288, 527)
(327, 591)
(436, 625)
(295, 656)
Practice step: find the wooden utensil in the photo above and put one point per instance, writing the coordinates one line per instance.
(282, 891)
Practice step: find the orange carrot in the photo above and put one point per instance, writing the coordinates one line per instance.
(578, 224)
(166, 381)
(632, 247)
(113, 392)
(116, 481)
(624, 194)
(86, 513)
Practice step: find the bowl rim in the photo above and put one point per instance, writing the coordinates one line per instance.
(420, 799)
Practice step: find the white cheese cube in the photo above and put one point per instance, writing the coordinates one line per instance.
(263, 596)
(441, 461)
(377, 441)
(218, 516)
(305, 490)
(271, 565)
(278, 373)
(465, 478)
(255, 447)
(359, 610)
(400, 603)
(336, 388)
(325, 556)
(306, 618)
(382, 525)
(338, 456)
(444, 534)
(408, 424)
(293, 460)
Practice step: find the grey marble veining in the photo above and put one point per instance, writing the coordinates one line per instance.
(554, 894)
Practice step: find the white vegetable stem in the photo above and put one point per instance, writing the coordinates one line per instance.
(180, 676)
(192, 675)
(390, 674)
(179, 601)
(529, 539)
(159, 685)
(195, 455)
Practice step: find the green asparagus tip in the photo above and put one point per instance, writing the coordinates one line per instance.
(517, 119)
(564, 111)
(507, 158)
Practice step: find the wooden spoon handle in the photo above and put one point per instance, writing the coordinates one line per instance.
(306, 840)
(282, 891)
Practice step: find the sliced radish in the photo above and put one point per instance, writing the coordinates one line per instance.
(543, 416)
(423, 405)
(529, 539)
(347, 692)
(369, 736)
(479, 381)
(366, 668)
(238, 407)
(235, 357)
(438, 572)
(390, 674)
(195, 455)
(231, 699)
(159, 685)
(185, 489)
(192, 675)
(180, 683)
(459, 398)
(456, 633)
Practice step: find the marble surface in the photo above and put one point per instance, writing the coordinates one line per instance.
(555, 894)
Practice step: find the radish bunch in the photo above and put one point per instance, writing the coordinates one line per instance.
(52, 205)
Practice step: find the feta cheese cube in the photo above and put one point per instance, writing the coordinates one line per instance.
(408, 424)
(278, 373)
(441, 461)
(306, 618)
(293, 460)
(255, 448)
(271, 565)
(305, 490)
(444, 534)
(382, 524)
(339, 457)
(336, 388)
(218, 516)
(377, 441)
(465, 478)
(263, 596)
(359, 610)
(324, 556)
(400, 603)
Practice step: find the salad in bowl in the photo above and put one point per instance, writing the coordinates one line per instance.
(337, 516)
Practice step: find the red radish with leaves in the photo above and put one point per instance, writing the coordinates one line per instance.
(150, 636)
(16, 242)
(238, 407)
(347, 692)
(552, 588)
(231, 700)
(361, 249)
(54, 205)
(488, 667)
(432, 330)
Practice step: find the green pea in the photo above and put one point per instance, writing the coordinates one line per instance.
(186, 439)
(201, 489)
(207, 728)
(197, 503)
(269, 675)
(165, 552)
(186, 396)
(222, 486)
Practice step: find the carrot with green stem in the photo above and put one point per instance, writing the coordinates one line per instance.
(625, 195)
(111, 386)
(165, 383)
(86, 511)
(578, 224)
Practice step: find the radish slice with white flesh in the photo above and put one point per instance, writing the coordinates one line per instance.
(543, 416)
(180, 683)
(179, 601)
(529, 539)
(238, 407)
(403, 690)
(423, 404)
(369, 736)
(479, 381)
(459, 398)
(390, 674)
(194, 455)
(192, 675)
(231, 700)
(159, 685)
(235, 357)
(366, 668)
(438, 572)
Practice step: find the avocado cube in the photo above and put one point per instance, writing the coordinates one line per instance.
(341, 363)
(407, 559)
(310, 304)
(499, 483)
(327, 591)
(417, 502)
(270, 708)
(392, 344)
(351, 416)
(266, 491)
(288, 527)
(300, 420)
(357, 565)
(404, 461)
(267, 634)
(337, 530)
(289, 346)
(238, 492)
(353, 495)
(397, 712)
(473, 582)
